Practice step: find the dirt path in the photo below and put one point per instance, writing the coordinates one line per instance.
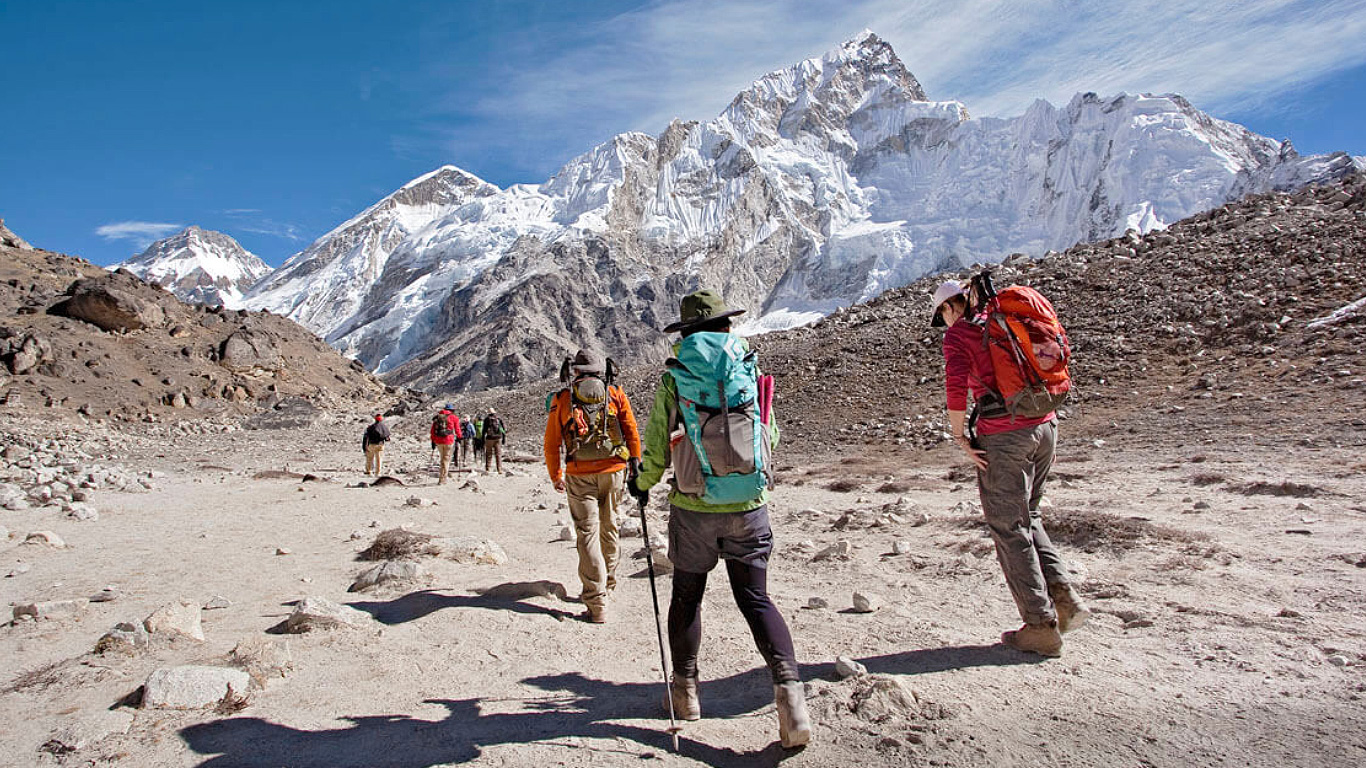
(1218, 638)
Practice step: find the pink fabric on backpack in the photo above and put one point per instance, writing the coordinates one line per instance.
(766, 387)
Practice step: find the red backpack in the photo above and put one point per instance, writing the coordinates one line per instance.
(1028, 347)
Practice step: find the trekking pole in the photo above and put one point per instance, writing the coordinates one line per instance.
(659, 632)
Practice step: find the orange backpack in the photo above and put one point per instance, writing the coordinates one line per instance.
(1028, 347)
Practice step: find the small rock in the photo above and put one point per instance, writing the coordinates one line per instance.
(1138, 623)
(866, 602)
(45, 538)
(817, 602)
(50, 610)
(23, 568)
(262, 658)
(217, 603)
(192, 687)
(281, 551)
(1200, 505)
(566, 534)
(107, 595)
(125, 636)
(630, 528)
(418, 501)
(901, 547)
(847, 667)
(82, 512)
(317, 613)
(841, 549)
(179, 618)
(1337, 660)
(471, 550)
(374, 524)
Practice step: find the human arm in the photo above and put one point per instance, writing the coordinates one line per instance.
(957, 370)
(551, 445)
(654, 455)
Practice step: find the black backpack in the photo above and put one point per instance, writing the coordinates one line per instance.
(493, 427)
(441, 426)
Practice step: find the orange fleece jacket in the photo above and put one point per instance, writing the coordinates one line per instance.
(554, 437)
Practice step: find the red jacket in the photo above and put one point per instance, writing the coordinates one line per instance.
(967, 368)
(454, 428)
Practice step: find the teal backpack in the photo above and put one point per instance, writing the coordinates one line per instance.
(722, 456)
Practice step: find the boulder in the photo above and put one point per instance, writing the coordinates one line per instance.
(192, 687)
(866, 602)
(318, 613)
(180, 618)
(470, 550)
(248, 350)
(387, 572)
(102, 303)
(44, 538)
(11, 240)
(880, 698)
(847, 667)
(263, 658)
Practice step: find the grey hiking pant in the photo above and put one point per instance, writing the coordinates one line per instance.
(1011, 486)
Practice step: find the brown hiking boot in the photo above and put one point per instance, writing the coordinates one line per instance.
(683, 691)
(1043, 639)
(596, 614)
(794, 724)
(1072, 612)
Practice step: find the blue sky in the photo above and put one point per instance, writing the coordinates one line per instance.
(276, 121)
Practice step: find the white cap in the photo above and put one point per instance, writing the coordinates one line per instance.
(946, 290)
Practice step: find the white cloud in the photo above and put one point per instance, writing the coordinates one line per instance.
(687, 58)
(141, 233)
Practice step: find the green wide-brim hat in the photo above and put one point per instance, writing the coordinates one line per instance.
(701, 307)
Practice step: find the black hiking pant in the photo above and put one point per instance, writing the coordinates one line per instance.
(749, 585)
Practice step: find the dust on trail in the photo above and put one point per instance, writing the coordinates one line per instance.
(1217, 638)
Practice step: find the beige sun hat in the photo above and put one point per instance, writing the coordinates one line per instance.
(946, 290)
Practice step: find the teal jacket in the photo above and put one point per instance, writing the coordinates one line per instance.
(654, 457)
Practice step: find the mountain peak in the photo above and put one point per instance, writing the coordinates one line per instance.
(199, 266)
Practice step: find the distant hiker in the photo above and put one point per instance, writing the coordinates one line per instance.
(466, 438)
(591, 420)
(372, 442)
(493, 433)
(1010, 438)
(445, 431)
(718, 501)
(478, 439)
(459, 437)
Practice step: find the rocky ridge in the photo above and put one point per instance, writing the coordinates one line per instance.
(78, 340)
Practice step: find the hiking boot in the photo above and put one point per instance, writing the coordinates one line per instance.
(794, 724)
(1072, 612)
(683, 691)
(596, 614)
(1043, 639)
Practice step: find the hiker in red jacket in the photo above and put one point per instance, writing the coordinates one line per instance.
(1013, 455)
(445, 431)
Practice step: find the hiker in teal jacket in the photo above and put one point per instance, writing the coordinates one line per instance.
(702, 533)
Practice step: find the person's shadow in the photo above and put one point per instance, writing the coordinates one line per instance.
(504, 597)
(577, 707)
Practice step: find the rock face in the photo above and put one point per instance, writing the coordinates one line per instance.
(821, 185)
(199, 266)
(192, 687)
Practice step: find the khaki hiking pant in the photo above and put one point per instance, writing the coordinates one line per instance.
(493, 453)
(1011, 486)
(593, 502)
(372, 456)
(444, 450)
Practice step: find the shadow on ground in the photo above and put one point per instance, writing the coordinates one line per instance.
(504, 597)
(577, 709)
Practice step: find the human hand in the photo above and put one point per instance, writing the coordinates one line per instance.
(976, 455)
(632, 467)
(559, 486)
(642, 497)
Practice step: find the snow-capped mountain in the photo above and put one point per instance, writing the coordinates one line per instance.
(199, 266)
(819, 186)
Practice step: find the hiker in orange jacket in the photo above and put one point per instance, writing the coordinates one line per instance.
(591, 423)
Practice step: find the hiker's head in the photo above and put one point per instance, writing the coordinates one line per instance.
(587, 362)
(950, 303)
(379, 417)
(702, 310)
